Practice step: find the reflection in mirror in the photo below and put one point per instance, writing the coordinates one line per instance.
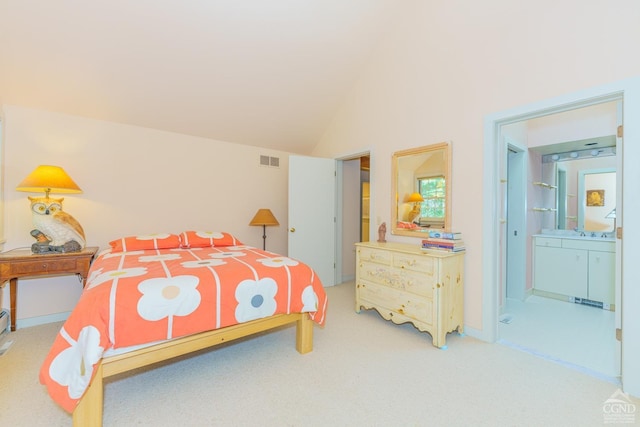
(571, 180)
(596, 199)
(421, 190)
(562, 215)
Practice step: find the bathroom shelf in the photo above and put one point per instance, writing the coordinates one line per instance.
(545, 185)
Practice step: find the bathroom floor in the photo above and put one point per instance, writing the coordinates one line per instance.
(577, 335)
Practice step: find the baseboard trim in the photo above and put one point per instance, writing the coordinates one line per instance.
(348, 278)
(42, 320)
(477, 334)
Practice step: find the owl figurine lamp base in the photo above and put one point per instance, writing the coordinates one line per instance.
(43, 245)
(56, 230)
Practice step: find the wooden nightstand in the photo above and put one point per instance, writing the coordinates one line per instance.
(19, 263)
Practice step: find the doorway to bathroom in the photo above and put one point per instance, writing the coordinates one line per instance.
(551, 324)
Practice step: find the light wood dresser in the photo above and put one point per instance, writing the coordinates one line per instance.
(406, 284)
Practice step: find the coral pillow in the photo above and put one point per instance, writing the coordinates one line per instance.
(402, 224)
(149, 241)
(202, 239)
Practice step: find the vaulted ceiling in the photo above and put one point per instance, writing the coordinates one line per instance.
(268, 73)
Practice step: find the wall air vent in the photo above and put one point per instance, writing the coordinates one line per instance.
(273, 162)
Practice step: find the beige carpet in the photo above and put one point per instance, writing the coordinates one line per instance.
(364, 371)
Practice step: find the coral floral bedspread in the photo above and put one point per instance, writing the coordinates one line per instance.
(148, 289)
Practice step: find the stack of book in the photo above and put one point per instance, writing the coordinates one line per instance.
(443, 241)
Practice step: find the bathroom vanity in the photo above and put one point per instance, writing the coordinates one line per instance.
(575, 266)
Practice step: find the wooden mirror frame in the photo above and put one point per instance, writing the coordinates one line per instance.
(417, 157)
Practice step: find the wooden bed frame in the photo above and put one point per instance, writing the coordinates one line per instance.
(89, 411)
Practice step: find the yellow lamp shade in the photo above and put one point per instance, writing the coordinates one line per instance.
(49, 179)
(415, 197)
(264, 217)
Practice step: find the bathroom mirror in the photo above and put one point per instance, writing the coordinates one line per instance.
(572, 181)
(421, 190)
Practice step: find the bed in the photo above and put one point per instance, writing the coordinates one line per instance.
(153, 298)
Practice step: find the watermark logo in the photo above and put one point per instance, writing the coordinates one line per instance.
(619, 409)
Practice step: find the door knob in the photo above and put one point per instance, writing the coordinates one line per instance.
(292, 229)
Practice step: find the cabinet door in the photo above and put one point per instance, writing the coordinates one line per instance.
(602, 275)
(561, 271)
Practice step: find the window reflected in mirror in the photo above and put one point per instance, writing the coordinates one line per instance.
(432, 209)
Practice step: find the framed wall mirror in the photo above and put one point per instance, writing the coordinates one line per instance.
(421, 190)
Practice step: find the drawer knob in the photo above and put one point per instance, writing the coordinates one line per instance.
(44, 266)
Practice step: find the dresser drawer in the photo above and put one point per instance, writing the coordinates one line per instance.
(401, 279)
(375, 255)
(424, 264)
(415, 282)
(377, 273)
(35, 267)
(418, 308)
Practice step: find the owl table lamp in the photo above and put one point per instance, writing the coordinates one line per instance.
(416, 199)
(55, 230)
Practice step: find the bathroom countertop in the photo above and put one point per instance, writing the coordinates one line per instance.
(577, 237)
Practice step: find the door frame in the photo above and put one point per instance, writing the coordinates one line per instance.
(339, 206)
(629, 249)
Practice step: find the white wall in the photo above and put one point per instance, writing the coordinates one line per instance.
(449, 65)
(574, 125)
(135, 180)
